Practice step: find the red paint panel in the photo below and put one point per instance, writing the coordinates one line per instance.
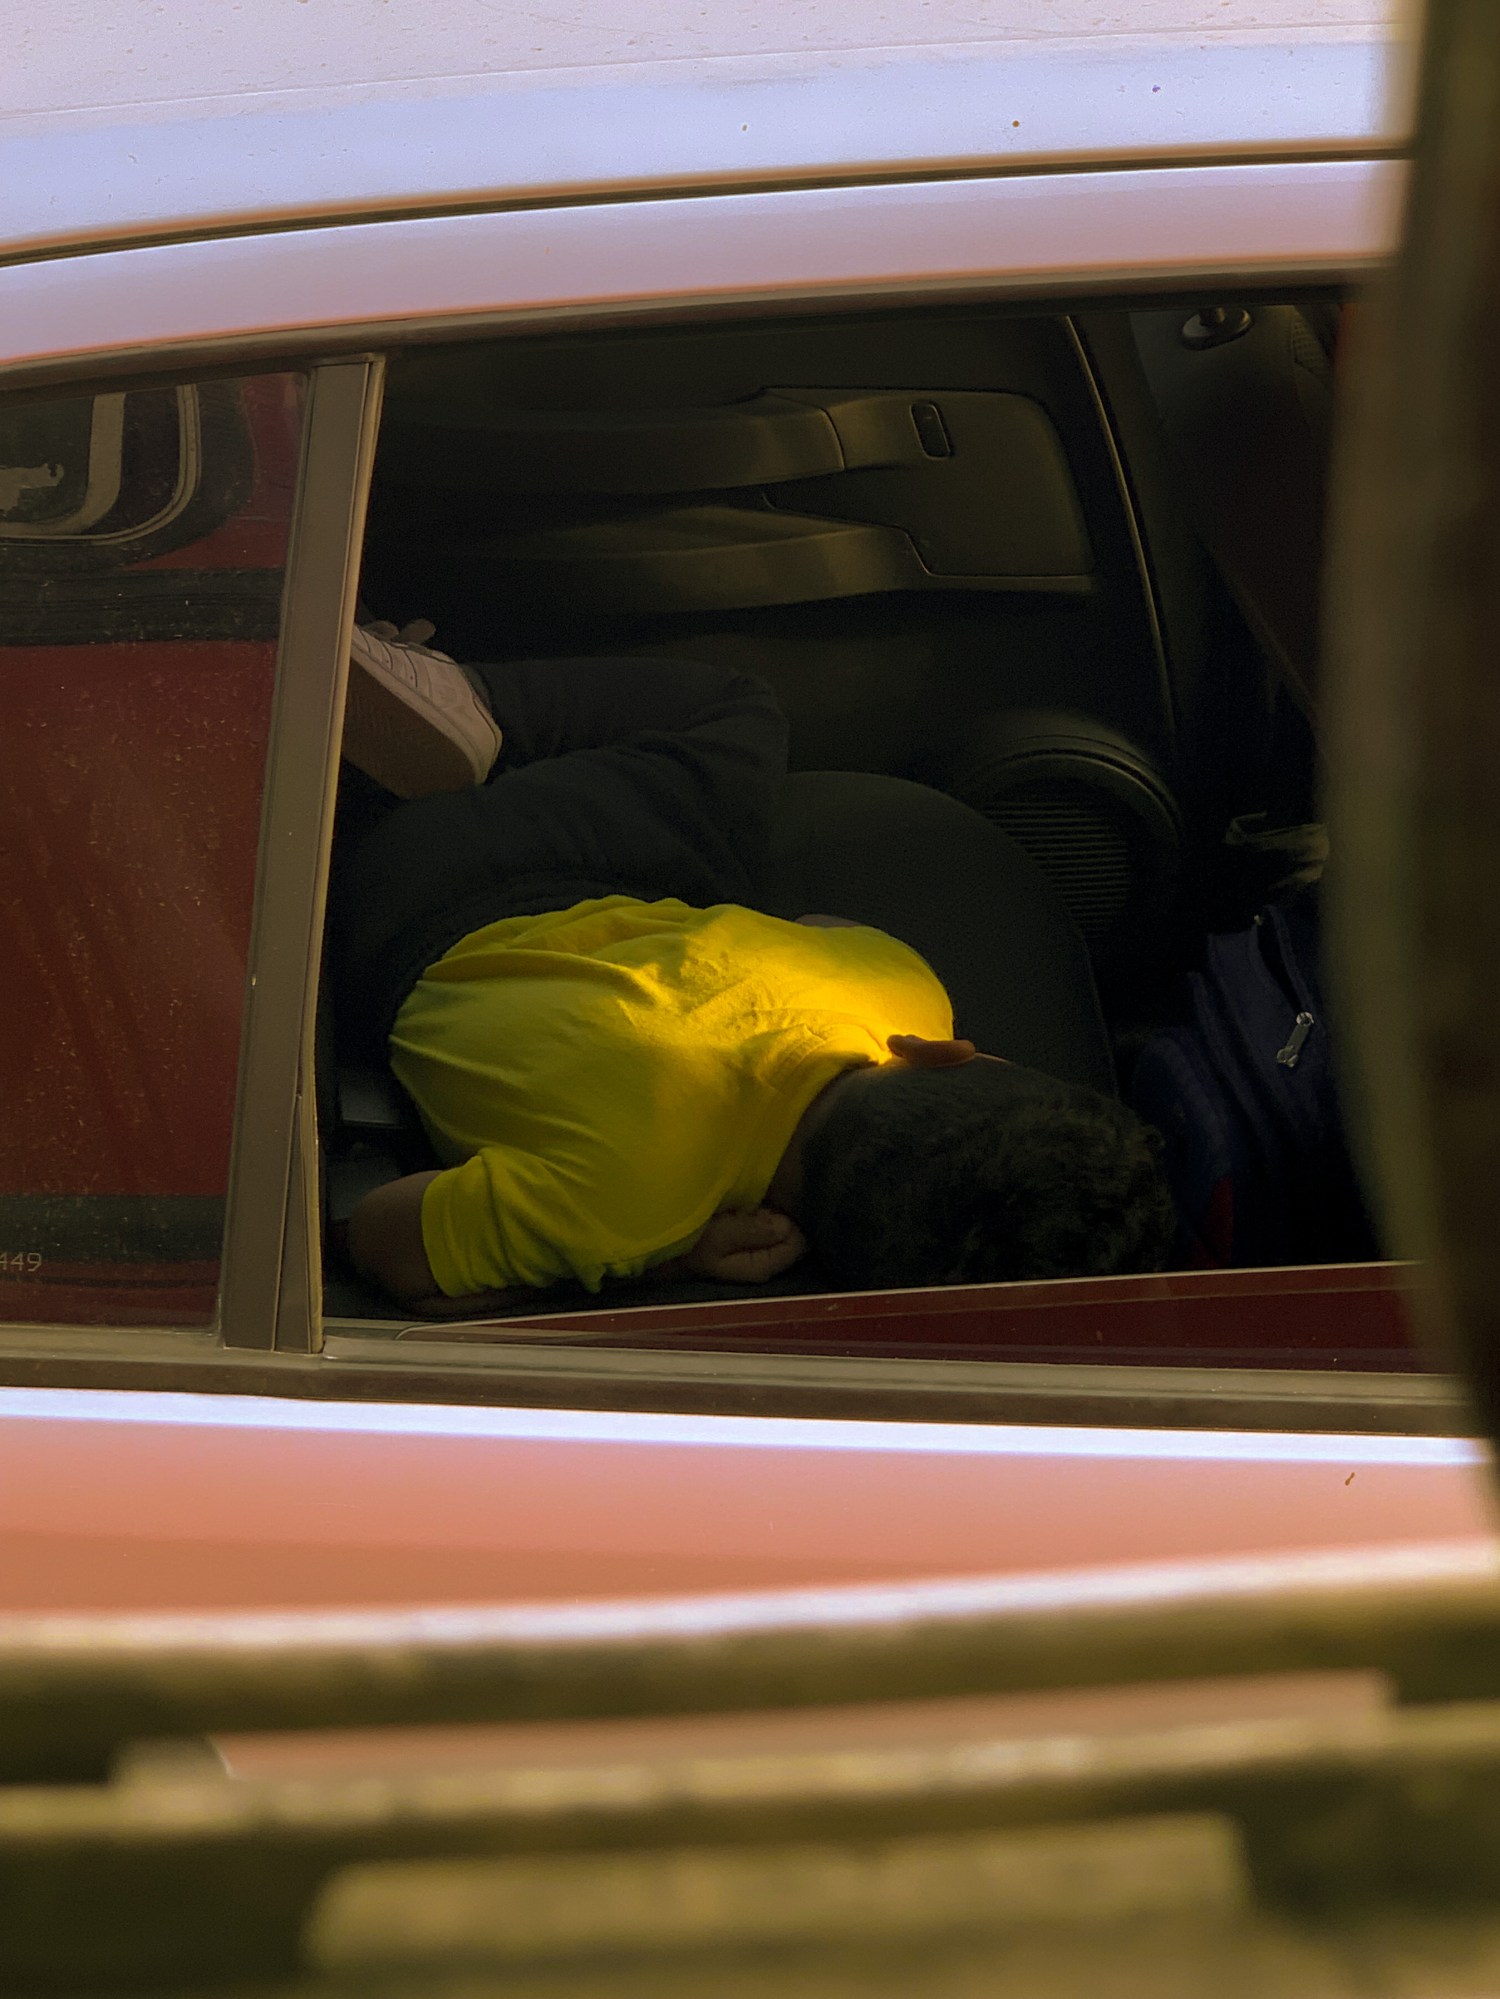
(175, 1293)
(128, 881)
(1357, 1315)
(130, 799)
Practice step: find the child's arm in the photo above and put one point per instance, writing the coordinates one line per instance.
(384, 1240)
(385, 1244)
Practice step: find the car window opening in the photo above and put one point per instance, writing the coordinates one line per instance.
(990, 635)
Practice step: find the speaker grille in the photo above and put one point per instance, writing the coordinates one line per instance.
(1079, 842)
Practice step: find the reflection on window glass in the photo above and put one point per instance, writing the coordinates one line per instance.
(143, 540)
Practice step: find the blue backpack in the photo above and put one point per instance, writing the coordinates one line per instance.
(1242, 1089)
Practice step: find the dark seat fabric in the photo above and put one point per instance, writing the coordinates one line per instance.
(1249, 423)
(942, 878)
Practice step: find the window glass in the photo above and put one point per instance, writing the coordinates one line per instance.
(143, 544)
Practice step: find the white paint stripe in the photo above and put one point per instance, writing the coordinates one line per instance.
(203, 164)
(1022, 236)
(587, 1426)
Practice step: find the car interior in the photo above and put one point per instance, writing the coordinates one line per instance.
(1047, 575)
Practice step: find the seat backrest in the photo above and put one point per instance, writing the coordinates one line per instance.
(911, 527)
(1247, 412)
(945, 880)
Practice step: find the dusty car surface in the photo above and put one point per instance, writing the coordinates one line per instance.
(974, 378)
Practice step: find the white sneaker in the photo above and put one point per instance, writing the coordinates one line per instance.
(415, 721)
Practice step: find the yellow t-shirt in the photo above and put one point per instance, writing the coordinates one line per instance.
(602, 1080)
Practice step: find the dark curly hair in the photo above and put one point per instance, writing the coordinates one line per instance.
(979, 1173)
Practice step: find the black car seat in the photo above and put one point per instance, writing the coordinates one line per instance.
(1247, 398)
(877, 849)
(945, 880)
(1245, 395)
(1224, 416)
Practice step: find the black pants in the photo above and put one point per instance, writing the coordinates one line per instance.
(643, 777)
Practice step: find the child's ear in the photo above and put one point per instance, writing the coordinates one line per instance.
(920, 1053)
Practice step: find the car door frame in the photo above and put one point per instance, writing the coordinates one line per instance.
(331, 295)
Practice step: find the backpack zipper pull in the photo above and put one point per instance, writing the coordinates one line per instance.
(1296, 1041)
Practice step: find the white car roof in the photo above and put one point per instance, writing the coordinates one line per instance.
(132, 120)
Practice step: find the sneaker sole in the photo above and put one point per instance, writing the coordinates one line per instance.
(398, 742)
